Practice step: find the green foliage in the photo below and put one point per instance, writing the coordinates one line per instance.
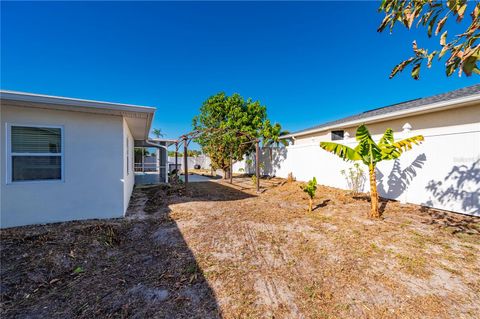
(355, 178)
(369, 152)
(78, 270)
(310, 188)
(272, 135)
(230, 125)
(462, 51)
(157, 132)
(254, 180)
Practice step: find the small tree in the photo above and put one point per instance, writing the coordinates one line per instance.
(370, 153)
(232, 122)
(310, 189)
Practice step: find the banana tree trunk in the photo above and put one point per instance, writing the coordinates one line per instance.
(374, 212)
(310, 205)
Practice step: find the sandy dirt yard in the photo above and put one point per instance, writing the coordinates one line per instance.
(225, 251)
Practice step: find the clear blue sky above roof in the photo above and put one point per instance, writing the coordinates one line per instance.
(309, 62)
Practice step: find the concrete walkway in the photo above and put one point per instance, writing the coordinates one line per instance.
(192, 178)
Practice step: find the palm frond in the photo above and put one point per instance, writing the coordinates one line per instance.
(366, 145)
(344, 152)
(363, 134)
(407, 144)
(387, 138)
(390, 152)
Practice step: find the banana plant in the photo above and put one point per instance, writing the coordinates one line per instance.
(371, 153)
(310, 188)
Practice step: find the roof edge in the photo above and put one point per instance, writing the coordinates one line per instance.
(402, 113)
(61, 100)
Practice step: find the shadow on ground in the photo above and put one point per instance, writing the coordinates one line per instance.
(133, 267)
(455, 223)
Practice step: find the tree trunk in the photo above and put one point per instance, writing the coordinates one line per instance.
(230, 169)
(374, 212)
(310, 205)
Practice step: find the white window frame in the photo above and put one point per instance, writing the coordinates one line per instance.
(9, 153)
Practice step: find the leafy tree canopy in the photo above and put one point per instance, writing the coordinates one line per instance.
(231, 125)
(462, 51)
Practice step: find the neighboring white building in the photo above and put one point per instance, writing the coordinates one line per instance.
(67, 159)
(443, 172)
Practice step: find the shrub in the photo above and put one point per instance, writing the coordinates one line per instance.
(355, 178)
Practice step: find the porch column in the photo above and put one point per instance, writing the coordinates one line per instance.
(176, 157)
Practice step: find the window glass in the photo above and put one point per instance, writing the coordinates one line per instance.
(36, 140)
(28, 168)
(337, 135)
(30, 149)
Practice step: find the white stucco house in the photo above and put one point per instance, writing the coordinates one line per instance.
(68, 159)
(443, 172)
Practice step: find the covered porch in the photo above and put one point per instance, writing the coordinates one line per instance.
(151, 161)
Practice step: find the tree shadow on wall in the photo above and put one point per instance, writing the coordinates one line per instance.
(271, 159)
(279, 155)
(399, 179)
(461, 186)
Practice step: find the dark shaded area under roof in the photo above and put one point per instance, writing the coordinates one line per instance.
(411, 104)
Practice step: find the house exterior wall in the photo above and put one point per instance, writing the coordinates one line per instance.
(443, 172)
(128, 163)
(94, 184)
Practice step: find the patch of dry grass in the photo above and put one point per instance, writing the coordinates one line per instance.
(249, 255)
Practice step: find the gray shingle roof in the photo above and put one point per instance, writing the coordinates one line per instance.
(412, 104)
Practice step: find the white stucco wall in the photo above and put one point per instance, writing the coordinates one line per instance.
(443, 172)
(94, 184)
(128, 172)
(203, 160)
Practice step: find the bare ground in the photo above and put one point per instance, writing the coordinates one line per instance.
(225, 251)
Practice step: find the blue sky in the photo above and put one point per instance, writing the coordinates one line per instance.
(307, 62)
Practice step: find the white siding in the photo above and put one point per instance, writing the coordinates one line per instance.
(94, 183)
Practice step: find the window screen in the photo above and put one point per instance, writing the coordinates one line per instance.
(337, 135)
(36, 153)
